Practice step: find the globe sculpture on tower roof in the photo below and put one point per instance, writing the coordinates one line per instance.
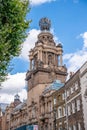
(45, 24)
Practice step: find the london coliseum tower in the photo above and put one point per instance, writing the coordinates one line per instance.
(46, 66)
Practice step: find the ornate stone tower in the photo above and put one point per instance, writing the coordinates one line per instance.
(46, 64)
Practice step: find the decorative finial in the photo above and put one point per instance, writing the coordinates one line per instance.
(45, 24)
(16, 97)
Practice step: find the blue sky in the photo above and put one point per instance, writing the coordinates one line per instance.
(68, 25)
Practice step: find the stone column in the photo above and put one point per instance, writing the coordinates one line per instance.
(61, 61)
(46, 58)
(57, 62)
(54, 59)
(38, 54)
(46, 106)
(41, 55)
(31, 64)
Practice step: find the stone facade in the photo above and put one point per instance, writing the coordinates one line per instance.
(7, 115)
(46, 65)
(83, 77)
(46, 106)
(70, 103)
(19, 116)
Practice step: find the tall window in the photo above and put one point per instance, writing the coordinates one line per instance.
(50, 106)
(60, 112)
(54, 101)
(74, 127)
(46, 127)
(76, 85)
(35, 60)
(44, 107)
(67, 93)
(72, 89)
(33, 112)
(49, 59)
(64, 111)
(69, 110)
(63, 96)
(70, 127)
(50, 126)
(73, 107)
(78, 104)
(79, 126)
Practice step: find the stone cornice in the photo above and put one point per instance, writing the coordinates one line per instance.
(83, 73)
(48, 70)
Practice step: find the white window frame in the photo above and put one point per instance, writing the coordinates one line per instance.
(69, 110)
(74, 127)
(76, 85)
(70, 128)
(72, 90)
(73, 107)
(67, 93)
(63, 96)
(54, 101)
(64, 111)
(79, 126)
(60, 112)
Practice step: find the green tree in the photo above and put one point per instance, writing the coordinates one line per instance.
(13, 25)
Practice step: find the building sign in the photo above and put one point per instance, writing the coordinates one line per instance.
(35, 127)
(32, 127)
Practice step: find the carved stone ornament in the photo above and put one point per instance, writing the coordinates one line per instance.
(45, 24)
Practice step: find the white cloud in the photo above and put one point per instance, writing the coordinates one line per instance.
(15, 84)
(84, 36)
(75, 60)
(38, 2)
(56, 39)
(29, 43)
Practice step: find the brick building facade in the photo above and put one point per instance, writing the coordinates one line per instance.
(70, 103)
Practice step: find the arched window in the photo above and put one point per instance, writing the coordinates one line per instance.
(35, 61)
(49, 59)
